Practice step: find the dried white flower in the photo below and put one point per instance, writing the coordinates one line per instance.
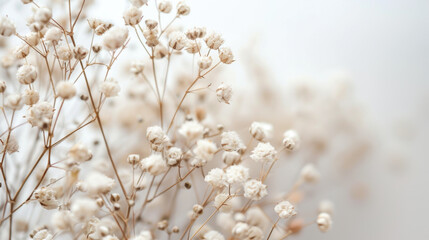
(183, 8)
(204, 62)
(255, 189)
(291, 140)
(46, 197)
(42, 234)
(309, 173)
(285, 209)
(204, 152)
(80, 52)
(66, 90)
(79, 153)
(156, 135)
(83, 208)
(230, 141)
(261, 131)
(160, 51)
(216, 177)
(324, 222)
(30, 97)
(110, 88)
(132, 16)
(138, 3)
(254, 233)
(174, 155)
(63, 220)
(53, 35)
(177, 40)
(115, 38)
(196, 32)
(191, 130)
(240, 230)
(40, 115)
(22, 51)
(224, 93)
(133, 159)
(237, 174)
(154, 164)
(14, 101)
(144, 235)
(98, 183)
(214, 41)
(221, 202)
(7, 28)
(43, 15)
(32, 38)
(193, 47)
(26, 74)
(225, 55)
(12, 145)
(165, 6)
(64, 52)
(264, 152)
(231, 157)
(213, 235)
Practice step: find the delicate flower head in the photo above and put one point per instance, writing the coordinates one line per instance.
(165, 6)
(285, 209)
(224, 93)
(237, 174)
(115, 38)
(174, 155)
(264, 152)
(26, 74)
(204, 152)
(79, 153)
(191, 130)
(110, 88)
(230, 141)
(221, 202)
(324, 222)
(7, 28)
(216, 177)
(255, 189)
(177, 40)
(225, 55)
(66, 90)
(183, 8)
(98, 183)
(261, 131)
(40, 115)
(214, 41)
(46, 197)
(154, 164)
(213, 235)
(291, 140)
(132, 16)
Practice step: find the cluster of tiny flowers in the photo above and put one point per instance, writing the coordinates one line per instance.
(97, 153)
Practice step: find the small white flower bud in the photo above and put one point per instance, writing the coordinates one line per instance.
(255, 190)
(80, 52)
(213, 235)
(46, 197)
(174, 155)
(240, 230)
(160, 51)
(198, 209)
(309, 173)
(43, 15)
(14, 101)
(66, 90)
(224, 93)
(291, 140)
(110, 88)
(193, 47)
(177, 40)
(114, 197)
(21, 51)
(196, 32)
(151, 24)
(64, 52)
(79, 153)
(133, 159)
(26, 74)
(115, 38)
(32, 39)
(165, 6)
(162, 225)
(138, 3)
(285, 209)
(214, 41)
(40, 115)
(183, 8)
(231, 141)
(7, 28)
(204, 62)
(231, 157)
(53, 35)
(132, 16)
(94, 23)
(260, 131)
(30, 97)
(154, 164)
(225, 55)
(324, 222)
(204, 152)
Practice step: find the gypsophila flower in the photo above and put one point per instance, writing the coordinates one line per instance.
(237, 174)
(309, 173)
(154, 164)
(324, 222)
(132, 16)
(214, 41)
(230, 141)
(216, 177)
(291, 140)
(174, 155)
(231, 157)
(191, 130)
(264, 152)
(12, 145)
(261, 131)
(110, 237)
(64, 52)
(53, 35)
(225, 55)
(80, 52)
(98, 183)
(144, 235)
(7, 28)
(40, 115)
(224, 93)
(66, 90)
(204, 62)
(22, 51)
(79, 153)
(30, 97)
(32, 39)
(133, 159)
(63, 220)
(213, 235)
(183, 8)
(254, 189)
(177, 40)
(240, 230)
(204, 152)
(221, 202)
(254, 233)
(83, 208)
(115, 38)
(14, 101)
(156, 135)
(138, 3)
(193, 47)
(42, 234)
(160, 51)
(26, 74)
(285, 209)
(43, 15)
(46, 197)
(196, 32)
(165, 6)
(110, 88)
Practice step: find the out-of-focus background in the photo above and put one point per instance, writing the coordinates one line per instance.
(383, 47)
